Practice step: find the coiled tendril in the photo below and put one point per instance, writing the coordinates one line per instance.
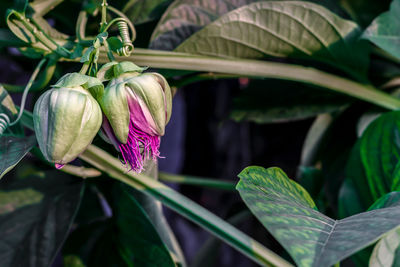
(127, 46)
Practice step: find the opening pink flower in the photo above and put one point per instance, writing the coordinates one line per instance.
(137, 108)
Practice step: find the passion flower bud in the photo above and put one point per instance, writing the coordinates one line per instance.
(67, 117)
(137, 107)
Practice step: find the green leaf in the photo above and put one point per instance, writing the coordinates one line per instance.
(384, 31)
(391, 199)
(36, 214)
(185, 17)
(295, 29)
(310, 237)
(12, 150)
(380, 153)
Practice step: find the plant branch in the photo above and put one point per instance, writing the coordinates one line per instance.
(184, 206)
(259, 68)
(197, 181)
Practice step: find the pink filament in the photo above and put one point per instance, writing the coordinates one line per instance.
(139, 147)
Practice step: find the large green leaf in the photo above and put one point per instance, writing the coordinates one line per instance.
(12, 150)
(185, 17)
(380, 153)
(282, 29)
(384, 31)
(37, 209)
(310, 237)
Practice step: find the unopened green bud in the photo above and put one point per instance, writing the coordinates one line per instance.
(67, 118)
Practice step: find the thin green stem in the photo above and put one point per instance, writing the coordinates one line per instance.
(103, 23)
(42, 80)
(197, 181)
(184, 206)
(26, 90)
(85, 67)
(259, 68)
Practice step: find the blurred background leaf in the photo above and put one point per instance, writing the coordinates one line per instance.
(37, 210)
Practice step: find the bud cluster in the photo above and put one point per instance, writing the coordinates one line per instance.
(132, 111)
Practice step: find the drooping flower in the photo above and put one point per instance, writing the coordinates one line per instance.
(137, 107)
(67, 117)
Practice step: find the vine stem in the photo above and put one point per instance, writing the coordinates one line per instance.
(103, 22)
(85, 67)
(26, 90)
(263, 69)
(184, 206)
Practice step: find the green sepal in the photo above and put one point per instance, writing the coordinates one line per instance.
(71, 80)
(116, 69)
(114, 104)
(127, 66)
(106, 72)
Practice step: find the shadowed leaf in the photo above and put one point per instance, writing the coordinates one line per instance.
(36, 213)
(12, 150)
(283, 29)
(384, 31)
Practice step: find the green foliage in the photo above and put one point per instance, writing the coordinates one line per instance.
(310, 237)
(300, 59)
